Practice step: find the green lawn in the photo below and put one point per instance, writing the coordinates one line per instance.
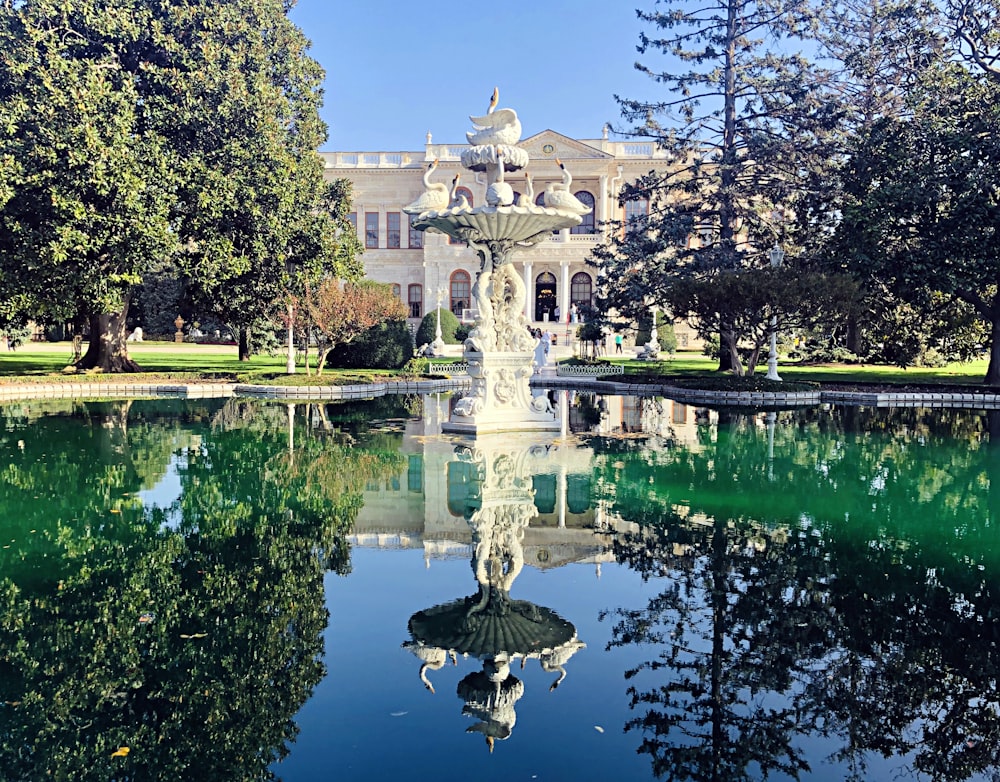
(188, 362)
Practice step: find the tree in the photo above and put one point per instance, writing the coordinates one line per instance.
(339, 312)
(151, 133)
(740, 298)
(741, 127)
(976, 25)
(930, 209)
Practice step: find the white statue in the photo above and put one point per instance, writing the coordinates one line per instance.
(527, 198)
(433, 199)
(500, 193)
(497, 126)
(558, 195)
(458, 201)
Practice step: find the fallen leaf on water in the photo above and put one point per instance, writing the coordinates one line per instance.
(145, 619)
(114, 510)
(599, 729)
(187, 636)
(120, 752)
(398, 713)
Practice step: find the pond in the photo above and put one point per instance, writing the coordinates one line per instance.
(230, 589)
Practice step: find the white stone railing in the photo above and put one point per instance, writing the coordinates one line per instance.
(589, 370)
(443, 368)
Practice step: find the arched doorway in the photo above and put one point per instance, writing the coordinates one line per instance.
(545, 296)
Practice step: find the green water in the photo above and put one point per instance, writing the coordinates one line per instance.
(233, 590)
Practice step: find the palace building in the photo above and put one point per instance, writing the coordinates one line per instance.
(425, 268)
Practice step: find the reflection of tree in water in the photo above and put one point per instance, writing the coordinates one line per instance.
(193, 647)
(857, 603)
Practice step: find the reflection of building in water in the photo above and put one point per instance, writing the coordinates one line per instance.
(424, 507)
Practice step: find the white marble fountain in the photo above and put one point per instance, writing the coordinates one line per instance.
(500, 349)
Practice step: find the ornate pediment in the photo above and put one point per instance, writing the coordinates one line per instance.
(549, 145)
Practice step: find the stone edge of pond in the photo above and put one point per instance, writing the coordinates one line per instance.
(15, 391)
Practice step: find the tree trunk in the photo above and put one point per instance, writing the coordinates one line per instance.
(107, 349)
(728, 349)
(244, 348)
(993, 371)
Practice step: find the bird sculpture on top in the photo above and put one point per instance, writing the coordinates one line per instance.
(558, 196)
(497, 126)
(433, 199)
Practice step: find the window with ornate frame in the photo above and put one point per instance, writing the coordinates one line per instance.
(460, 290)
(392, 232)
(587, 226)
(415, 298)
(416, 238)
(581, 289)
(371, 230)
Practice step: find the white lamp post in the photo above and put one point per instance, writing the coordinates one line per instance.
(290, 362)
(776, 256)
(438, 344)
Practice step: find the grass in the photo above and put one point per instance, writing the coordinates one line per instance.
(695, 370)
(170, 362)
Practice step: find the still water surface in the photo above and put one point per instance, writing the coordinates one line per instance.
(223, 590)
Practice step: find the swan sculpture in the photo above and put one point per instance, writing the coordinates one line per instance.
(558, 196)
(500, 193)
(457, 200)
(432, 657)
(433, 199)
(527, 198)
(497, 126)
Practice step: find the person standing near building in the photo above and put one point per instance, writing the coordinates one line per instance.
(618, 343)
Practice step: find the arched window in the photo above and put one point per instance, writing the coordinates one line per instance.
(587, 226)
(581, 289)
(415, 298)
(461, 292)
(545, 296)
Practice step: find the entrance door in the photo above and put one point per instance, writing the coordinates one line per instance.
(545, 296)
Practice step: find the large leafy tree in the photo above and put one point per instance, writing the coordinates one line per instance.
(741, 124)
(148, 132)
(929, 211)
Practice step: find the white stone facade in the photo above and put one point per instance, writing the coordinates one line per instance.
(423, 266)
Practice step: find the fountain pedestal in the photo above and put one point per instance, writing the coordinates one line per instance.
(500, 399)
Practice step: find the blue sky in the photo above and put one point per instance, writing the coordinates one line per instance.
(396, 70)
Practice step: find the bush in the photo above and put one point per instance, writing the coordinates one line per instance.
(449, 328)
(385, 346)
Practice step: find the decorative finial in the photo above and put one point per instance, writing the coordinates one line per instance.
(428, 137)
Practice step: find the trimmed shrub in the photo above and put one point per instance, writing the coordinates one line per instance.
(449, 328)
(385, 346)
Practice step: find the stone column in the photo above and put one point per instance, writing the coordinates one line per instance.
(564, 291)
(529, 287)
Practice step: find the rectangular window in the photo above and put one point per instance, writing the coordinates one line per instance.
(371, 230)
(392, 236)
(415, 297)
(416, 237)
(352, 218)
(636, 210)
(415, 473)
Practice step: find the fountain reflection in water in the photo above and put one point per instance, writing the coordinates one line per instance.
(491, 626)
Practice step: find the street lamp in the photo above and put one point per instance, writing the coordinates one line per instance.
(290, 362)
(438, 344)
(776, 255)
